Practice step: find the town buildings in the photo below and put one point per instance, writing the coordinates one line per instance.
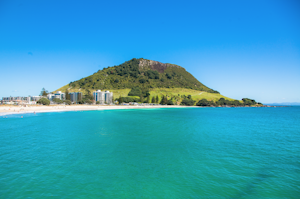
(75, 97)
(99, 96)
(103, 97)
(58, 95)
(21, 100)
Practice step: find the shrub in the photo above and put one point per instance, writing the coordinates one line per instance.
(152, 74)
(170, 102)
(204, 102)
(58, 101)
(128, 99)
(164, 100)
(80, 102)
(169, 76)
(97, 102)
(43, 101)
(188, 102)
(68, 102)
(135, 91)
(248, 101)
(88, 101)
(142, 81)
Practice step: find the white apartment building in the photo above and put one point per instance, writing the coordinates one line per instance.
(50, 96)
(103, 97)
(60, 95)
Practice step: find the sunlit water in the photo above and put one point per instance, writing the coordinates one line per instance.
(152, 153)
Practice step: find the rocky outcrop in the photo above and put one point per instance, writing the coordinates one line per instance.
(155, 65)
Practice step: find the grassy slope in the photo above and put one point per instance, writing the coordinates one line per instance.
(170, 92)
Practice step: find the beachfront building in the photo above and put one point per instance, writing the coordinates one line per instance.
(108, 97)
(50, 96)
(103, 97)
(99, 96)
(75, 96)
(21, 100)
(35, 98)
(60, 95)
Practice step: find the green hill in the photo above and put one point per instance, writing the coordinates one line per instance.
(153, 77)
(142, 73)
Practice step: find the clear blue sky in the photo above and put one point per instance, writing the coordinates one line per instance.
(240, 48)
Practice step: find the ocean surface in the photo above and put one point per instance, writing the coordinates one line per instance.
(152, 153)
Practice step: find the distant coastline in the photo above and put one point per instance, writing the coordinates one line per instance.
(284, 104)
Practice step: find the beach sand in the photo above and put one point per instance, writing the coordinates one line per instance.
(13, 109)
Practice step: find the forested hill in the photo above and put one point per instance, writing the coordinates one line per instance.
(139, 73)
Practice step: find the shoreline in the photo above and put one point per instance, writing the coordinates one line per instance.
(12, 110)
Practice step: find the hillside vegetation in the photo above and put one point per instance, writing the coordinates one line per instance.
(143, 79)
(139, 73)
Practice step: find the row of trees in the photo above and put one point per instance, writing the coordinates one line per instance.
(224, 102)
(187, 100)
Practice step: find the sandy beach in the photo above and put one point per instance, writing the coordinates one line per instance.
(11, 109)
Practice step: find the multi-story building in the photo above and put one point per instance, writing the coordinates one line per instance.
(60, 95)
(108, 97)
(50, 96)
(99, 96)
(103, 97)
(75, 96)
(35, 98)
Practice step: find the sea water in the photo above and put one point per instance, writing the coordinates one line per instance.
(152, 153)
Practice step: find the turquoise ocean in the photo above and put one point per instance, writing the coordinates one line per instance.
(152, 153)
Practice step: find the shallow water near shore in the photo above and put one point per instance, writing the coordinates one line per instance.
(152, 153)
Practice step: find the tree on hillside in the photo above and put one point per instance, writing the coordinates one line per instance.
(135, 91)
(205, 102)
(170, 102)
(236, 103)
(120, 100)
(153, 100)
(88, 97)
(142, 80)
(156, 99)
(67, 95)
(141, 98)
(164, 100)
(188, 102)
(248, 102)
(148, 99)
(221, 101)
(44, 92)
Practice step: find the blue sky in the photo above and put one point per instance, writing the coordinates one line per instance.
(240, 48)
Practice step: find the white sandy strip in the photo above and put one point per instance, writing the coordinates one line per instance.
(8, 110)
